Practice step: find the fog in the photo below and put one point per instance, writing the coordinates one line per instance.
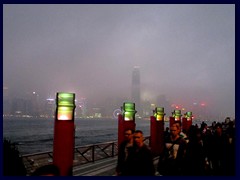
(185, 52)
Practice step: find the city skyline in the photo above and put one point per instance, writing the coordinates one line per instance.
(186, 52)
(34, 105)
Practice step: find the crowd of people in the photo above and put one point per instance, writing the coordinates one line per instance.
(199, 151)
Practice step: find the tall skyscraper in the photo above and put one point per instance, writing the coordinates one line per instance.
(136, 90)
(35, 102)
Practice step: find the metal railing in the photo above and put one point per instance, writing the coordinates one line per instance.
(82, 155)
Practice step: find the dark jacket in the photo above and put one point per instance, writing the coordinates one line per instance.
(140, 162)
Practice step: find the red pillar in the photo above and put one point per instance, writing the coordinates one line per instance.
(63, 146)
(171, 121)
(122, 126)
(186, 123)
(156, 136)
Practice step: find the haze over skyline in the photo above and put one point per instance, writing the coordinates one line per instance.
(185, 52)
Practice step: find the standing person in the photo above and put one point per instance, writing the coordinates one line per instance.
(166, 133)
(230, 132)
(124, 151)
(196, 157)
(183, 133)
(219, 148)
(171, 161)
(140, 160)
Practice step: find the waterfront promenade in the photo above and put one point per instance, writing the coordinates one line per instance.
(90, 160)
(101, 159)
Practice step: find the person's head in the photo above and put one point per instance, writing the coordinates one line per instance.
(128, 134)
(47, 170)
(138, 138)
(178, 125)
(174, 130)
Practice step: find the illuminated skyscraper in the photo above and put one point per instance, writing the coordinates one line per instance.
(136, 90)
(35, 103)
(50, 107)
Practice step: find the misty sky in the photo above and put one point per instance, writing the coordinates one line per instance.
(185, 52)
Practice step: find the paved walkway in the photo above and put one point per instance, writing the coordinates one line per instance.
(105, 167)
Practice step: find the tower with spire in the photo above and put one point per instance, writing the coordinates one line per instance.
(136, 89)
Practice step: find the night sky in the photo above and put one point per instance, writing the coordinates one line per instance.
(185, 52)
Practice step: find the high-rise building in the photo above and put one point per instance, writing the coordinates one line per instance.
(81, 108)
(35, 102)
(19, 107)
(50, 107)
(136, 89)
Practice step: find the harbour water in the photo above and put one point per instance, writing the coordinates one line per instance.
(36, 135)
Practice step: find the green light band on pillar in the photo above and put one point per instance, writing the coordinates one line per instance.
(189, 115)
(129, 111)
(65, 106)
(159, 113)
(177, 114)
(65, 99)
(129, 106)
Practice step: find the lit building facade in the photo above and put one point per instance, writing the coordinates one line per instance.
(50, 107)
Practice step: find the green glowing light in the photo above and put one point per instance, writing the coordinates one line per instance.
(129, 111)
(128, 116)
(129, 106)
(65, 99)
(189, 115)
(159, 113)
(177, 115)
(65, 106)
